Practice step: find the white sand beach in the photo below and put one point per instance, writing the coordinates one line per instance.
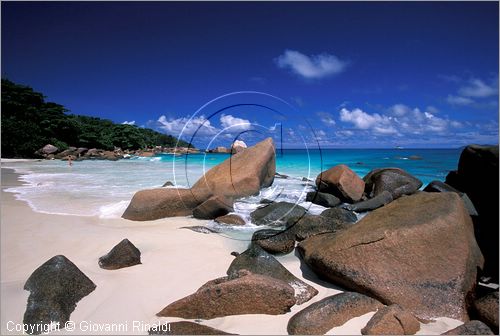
(175, 263)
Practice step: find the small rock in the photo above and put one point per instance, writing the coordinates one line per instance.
(376, 202)
(258, 261)
(392, 320)
(167, 184)
(311, 225)
(245, 294)
(342, 182)
(230, 219)
(266, 201)
(274, 241)
(340, 214)
(125, 254)
(305, 179)
(49, 149)
(473, 327)
(282, 176)
(185, 328)
(276, 213)
(395, 180)
(332, 311)
(323, 199)
(55, 288)
(214, 207)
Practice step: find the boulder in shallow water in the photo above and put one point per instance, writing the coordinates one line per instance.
(55, 288)
(394, 180)
(323, 199)
(473, 327)
(276, 213)
(418, 251)
(213, 207)
(331, 312)
(340, 214)
(231, 219)
(274, 241)
(376, 202)
(167, 184)
(258, 261)
(243, 174)
(185, 328)
(162, 202)
(342, 182)
(392, 320)
(124, 254)
(245, 293)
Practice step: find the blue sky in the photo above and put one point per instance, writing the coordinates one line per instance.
(338, 74)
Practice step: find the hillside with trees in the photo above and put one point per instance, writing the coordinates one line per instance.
(29, 123)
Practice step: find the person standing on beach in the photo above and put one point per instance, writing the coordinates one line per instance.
(70, 162)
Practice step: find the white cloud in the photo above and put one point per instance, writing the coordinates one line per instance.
(128, 122)
(200, 125)
(478, 89)
(400, 110)
(407, 122)
(326, 118)
(363, 120)
(234, 124)
(344, 133)
(457, 100)
(311, 67)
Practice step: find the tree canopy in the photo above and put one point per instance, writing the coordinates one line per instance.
(29, 123)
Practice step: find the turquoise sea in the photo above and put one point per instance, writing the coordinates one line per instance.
(104, 188)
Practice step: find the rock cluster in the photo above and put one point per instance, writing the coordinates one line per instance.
(243, 174)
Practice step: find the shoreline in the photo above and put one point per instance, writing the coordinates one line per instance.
(175, 263)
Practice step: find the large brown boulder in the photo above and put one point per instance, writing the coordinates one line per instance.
(162, 202)
(418, 251)
(243, 174)
(246, 294)
(477, 176)
(394, 180)
(331, 312)
(342, 182)
(392, 320)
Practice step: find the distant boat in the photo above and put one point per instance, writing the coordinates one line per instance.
(398, 147)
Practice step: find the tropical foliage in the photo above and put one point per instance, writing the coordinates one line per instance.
(29, 123)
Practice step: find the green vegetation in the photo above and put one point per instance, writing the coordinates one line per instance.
(29, 123)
